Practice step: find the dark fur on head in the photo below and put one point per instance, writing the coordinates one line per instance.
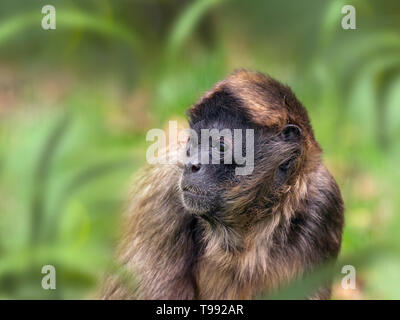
(204, 233)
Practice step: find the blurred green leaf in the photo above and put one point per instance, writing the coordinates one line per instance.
(72, 19)
(186, 22)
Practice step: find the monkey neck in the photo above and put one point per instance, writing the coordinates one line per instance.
(228, 237)
(231, 233)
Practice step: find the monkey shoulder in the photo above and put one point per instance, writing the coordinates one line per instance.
(155, 189)
(157, 245)
(316, 226)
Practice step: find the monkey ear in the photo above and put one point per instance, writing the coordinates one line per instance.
(291, 132)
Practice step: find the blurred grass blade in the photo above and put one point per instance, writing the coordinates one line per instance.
(86, 21)
(82, 179)
(384, 80)
(41, 177)
(330, 23)
(187, 22)
(71, 19)
(373, 48)
(14, 25)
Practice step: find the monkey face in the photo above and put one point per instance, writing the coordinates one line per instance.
(217, 134)
(210, 181)
(209, 167)
(213, 182)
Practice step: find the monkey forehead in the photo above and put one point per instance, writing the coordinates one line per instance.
(222, 122)
(265, 101)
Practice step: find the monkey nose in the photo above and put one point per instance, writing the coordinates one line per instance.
(195, 167)
(192, 167)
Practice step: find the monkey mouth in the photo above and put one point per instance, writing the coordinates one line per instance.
(194, 194)
(193, 191)
(196, 200)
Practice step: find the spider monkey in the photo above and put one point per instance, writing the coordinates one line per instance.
(199, 231)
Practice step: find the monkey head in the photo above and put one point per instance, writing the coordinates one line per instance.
(250, 142)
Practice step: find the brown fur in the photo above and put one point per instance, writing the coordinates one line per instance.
(262, 244)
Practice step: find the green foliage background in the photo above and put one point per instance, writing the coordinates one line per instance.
(76, 103)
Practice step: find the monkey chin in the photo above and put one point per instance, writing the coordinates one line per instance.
(197, 204)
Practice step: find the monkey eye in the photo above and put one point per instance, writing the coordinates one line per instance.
(188, 150)
(188, 147)
(222, 146)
